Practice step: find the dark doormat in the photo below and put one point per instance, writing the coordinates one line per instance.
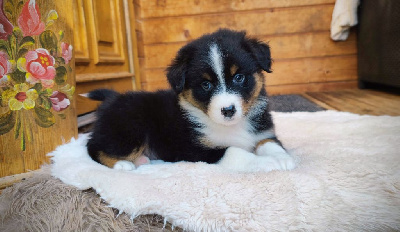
(292, 103)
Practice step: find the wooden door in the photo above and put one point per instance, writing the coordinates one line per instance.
(102, 28)
(37, 85)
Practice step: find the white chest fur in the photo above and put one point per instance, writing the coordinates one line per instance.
(238, 135)
(217, 135)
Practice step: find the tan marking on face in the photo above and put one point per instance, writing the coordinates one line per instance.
(264, 141)
(259, 78)
(233, 69)
(207, 76)
(110, 161)
(188, 96)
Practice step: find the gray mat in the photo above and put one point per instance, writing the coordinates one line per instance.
(292, 103)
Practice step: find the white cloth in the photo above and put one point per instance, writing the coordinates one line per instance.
(344, 16)
(347, 179)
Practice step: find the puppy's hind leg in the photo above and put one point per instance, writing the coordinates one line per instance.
(125, 163)
(141, 160)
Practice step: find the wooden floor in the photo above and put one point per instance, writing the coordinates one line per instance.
(372, 102)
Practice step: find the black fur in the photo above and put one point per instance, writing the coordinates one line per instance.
(157, 120)
(102, 94)
(136, 118)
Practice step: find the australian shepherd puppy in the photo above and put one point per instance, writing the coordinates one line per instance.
(216, 112)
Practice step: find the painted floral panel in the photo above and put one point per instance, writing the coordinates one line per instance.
(34, 68)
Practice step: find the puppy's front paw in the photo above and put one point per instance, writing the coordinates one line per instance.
(285, 161)
(237, 159)
(240, 160)
(124, 165)
(274, 151)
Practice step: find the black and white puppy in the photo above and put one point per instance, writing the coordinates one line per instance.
(216, 112)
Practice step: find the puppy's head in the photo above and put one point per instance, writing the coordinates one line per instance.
(220, 74)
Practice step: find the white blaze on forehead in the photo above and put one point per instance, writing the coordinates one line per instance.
(217, 64)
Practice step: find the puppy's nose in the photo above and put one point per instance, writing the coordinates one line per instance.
(229, 111)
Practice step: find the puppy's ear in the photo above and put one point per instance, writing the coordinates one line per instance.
(176, 72)
(261, 53)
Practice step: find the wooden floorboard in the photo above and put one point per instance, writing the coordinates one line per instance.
(372, 102)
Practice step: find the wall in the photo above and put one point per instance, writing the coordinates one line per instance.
(305, 59)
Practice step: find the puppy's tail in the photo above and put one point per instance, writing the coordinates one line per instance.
(102, 94)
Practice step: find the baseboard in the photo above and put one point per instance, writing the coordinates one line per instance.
(7, 181)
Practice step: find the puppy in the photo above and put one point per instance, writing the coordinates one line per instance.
(216, 112)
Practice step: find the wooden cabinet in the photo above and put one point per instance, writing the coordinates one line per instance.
(39, 105)
(37, 100)
(104, 48)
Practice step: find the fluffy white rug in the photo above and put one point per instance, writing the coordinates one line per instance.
(347, 179)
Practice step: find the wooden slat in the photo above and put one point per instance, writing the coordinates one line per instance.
(87, 77)
(153, 86)
(277, 89)
(154, 75)
(80, 33)
(164, 8)
(359, 102)
(314, 44)
(293, 71)
(86, 120)
(378, 99)
(159, 55)
(318, 102)
(341, 103)
(282, 47)
(137, 8)
(85, 105)
(10, 180)
(308, 70)
(140, 46)
(105, 24)
(311, 87)
(133, 47)
(260, 22)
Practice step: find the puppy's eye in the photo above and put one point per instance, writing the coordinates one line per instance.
(238, 78)
(206, 85)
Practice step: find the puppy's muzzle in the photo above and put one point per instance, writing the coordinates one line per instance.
(229, 111)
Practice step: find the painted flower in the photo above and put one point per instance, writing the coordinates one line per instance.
(5, 64)
(29, 20)
(4, 80)
(6, 27)
(59, 101)
(39, 66)
(66, 52)
(20, 97)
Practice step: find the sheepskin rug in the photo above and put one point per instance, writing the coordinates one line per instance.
(347, 179)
